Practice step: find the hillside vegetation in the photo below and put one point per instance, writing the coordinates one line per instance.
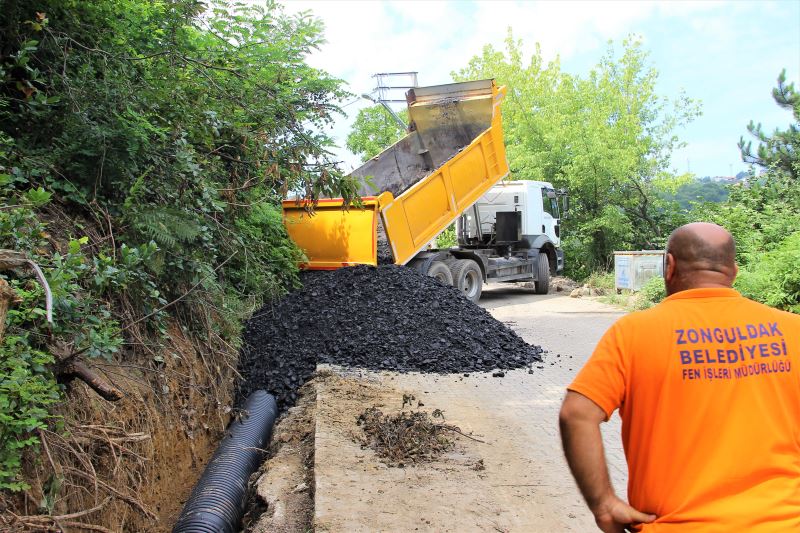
(144, 149)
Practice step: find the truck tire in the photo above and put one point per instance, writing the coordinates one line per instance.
(438, 270)
(543, 274)
(417, 264)
(468, 278)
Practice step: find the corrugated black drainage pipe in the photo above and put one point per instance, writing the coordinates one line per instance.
(217, 501)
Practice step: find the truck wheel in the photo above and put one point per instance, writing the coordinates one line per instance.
(417, 264)
(439, 271)
(543, 274)
(467, 278)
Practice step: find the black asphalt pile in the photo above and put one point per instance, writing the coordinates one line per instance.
(384, 318)
(384, 253)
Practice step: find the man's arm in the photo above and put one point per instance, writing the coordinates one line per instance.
(580, 420)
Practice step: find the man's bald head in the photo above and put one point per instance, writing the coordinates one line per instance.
(700, 255)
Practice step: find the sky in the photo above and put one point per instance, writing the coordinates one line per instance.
(727, 54)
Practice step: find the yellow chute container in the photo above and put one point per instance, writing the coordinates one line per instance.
(335, 236)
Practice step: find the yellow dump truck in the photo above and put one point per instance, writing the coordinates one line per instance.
(446, 169)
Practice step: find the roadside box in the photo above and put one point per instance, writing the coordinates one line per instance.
(633, 269)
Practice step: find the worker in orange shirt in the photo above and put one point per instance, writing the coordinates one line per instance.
(707, 384)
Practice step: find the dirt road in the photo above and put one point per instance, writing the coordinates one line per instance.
(512, 478)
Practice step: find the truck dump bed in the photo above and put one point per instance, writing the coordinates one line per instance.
(452, 156)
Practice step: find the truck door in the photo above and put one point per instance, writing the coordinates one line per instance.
(550, 216)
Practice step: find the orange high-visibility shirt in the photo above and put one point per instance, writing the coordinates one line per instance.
(707, 384)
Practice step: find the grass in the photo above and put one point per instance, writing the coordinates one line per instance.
(652, 292)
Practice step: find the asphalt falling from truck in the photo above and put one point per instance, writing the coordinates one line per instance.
(385, 318)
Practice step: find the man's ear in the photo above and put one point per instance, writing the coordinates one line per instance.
(669, 267)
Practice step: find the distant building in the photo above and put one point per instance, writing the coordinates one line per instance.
(727, 180)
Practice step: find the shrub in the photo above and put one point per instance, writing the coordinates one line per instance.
(601, 280)
(447, 238)
(27, 390)
(774, 279)
(162, 135)
(651, 293)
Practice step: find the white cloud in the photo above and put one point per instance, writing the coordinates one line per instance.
(437, 37)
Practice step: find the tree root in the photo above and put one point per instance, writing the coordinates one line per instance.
(78, 369)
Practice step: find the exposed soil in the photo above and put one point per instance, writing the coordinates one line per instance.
(384, 318)
(184, 440)
(127, 465)
(282, 497)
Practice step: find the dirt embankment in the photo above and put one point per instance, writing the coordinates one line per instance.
(127, 465)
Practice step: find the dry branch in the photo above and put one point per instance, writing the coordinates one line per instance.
(124, 497)
(49, 518)
(89, 527)
(404, 437)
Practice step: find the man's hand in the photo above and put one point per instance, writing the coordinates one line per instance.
(616, 516)
(580, 420)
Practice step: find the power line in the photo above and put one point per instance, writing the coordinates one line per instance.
(351, 102)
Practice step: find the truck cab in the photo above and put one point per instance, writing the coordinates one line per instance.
(529, 216)
(511, 233)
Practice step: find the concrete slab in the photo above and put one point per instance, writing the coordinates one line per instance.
(515, 480)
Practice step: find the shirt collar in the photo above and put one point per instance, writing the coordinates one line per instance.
(721, 292)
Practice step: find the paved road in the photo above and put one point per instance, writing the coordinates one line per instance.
(522, 483)
(568, 328)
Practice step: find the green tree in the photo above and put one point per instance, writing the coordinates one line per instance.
(698, 191)
(373, 131)
(763, 213)
(781, 150)
(607, 137)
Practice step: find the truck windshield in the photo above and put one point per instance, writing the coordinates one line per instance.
(550, 202)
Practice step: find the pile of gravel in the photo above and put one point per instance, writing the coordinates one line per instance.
(384, 318)
(384, 253)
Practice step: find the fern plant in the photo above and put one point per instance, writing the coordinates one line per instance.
(167, 226)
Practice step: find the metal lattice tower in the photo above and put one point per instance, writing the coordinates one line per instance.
(388, 84)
